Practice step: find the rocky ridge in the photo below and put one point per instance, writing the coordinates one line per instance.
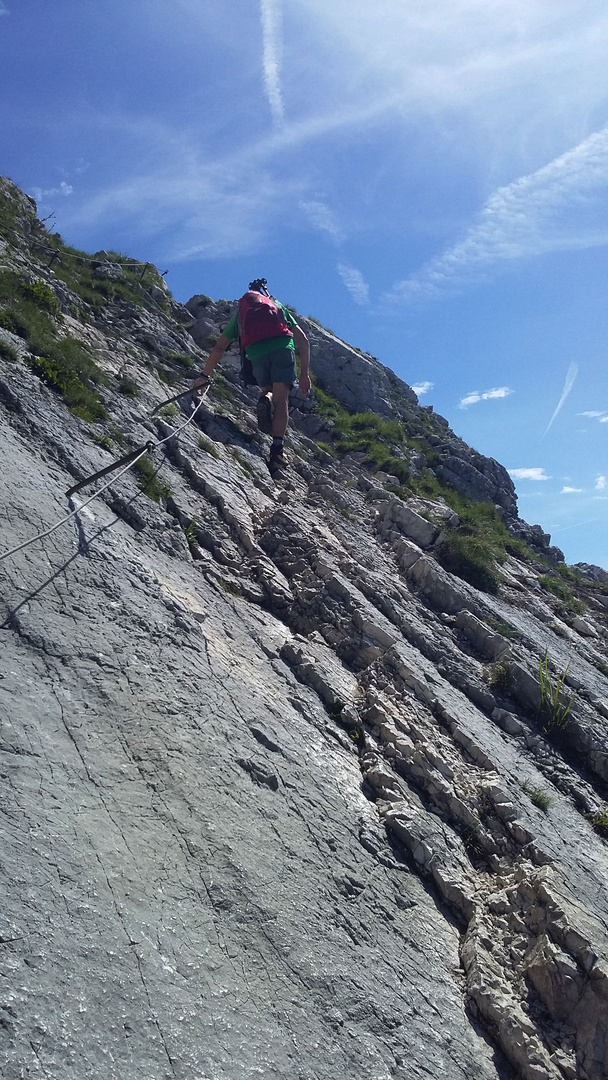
(283, 796)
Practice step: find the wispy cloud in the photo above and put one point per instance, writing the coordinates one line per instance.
(593, 414)
(556, 208)
(570, 490)
(529, 474)
(571, 374)
(600, 483)
(46, 193)
(422, 388)
(484, 395)
(355, 283)
(322, 219)
(271, 60)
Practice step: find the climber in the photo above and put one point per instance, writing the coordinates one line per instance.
(270, 336)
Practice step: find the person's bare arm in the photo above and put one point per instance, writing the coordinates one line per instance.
(214, 357)
(303, 349)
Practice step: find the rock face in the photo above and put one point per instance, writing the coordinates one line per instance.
(280, 796)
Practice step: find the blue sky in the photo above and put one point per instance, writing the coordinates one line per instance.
(428, 178)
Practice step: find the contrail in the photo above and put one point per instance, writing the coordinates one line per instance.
(569, 383)
(271, 61)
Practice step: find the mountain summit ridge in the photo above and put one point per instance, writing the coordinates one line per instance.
(305, 780)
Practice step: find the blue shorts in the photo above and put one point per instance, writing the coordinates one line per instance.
(277, 366)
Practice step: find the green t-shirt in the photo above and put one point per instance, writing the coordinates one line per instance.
(267, 345)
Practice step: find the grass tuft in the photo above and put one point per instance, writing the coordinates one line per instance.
(502, 628)
(8, 351)
(104, 441)
(148, 482)
(553, 708)
(128, 387)
(470, 558)
(208, 447)
(537, 795)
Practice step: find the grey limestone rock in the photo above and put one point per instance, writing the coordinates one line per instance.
(276, 799)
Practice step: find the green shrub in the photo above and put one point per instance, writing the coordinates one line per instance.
(600, 822)
(9, 320)
(80, 400)
(499, 677)
(324, 448)
(555, 586)
(42, 295)
(570, 608)
(148, 482)
(570, 574)
(190, 530)
(127, 387)
(470, 558)
(335, 709)
(8, 351)
(517, 547)
(63, 363)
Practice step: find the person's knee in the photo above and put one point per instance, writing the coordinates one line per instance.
(280, 392)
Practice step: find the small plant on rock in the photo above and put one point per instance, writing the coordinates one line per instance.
(127, 387)
(471, 558)
(335, 709)
(10, 320)
(600, 822)
(208, 447)
(553, 709)
(537, 795)
(104, 441)
(8, 351)
(502, 628)
(148, 482)
(499, 677)
(190, 531)
(245, 466)
(42, 295)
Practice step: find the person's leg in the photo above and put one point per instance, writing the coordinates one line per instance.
(264, 409)
(280, 401)
(280, 396)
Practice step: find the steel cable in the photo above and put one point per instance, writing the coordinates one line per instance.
(64, 521)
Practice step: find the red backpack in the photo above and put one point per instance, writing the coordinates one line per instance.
(260, 318)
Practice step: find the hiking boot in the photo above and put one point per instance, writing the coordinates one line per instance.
(277, 463)
(263, 411)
